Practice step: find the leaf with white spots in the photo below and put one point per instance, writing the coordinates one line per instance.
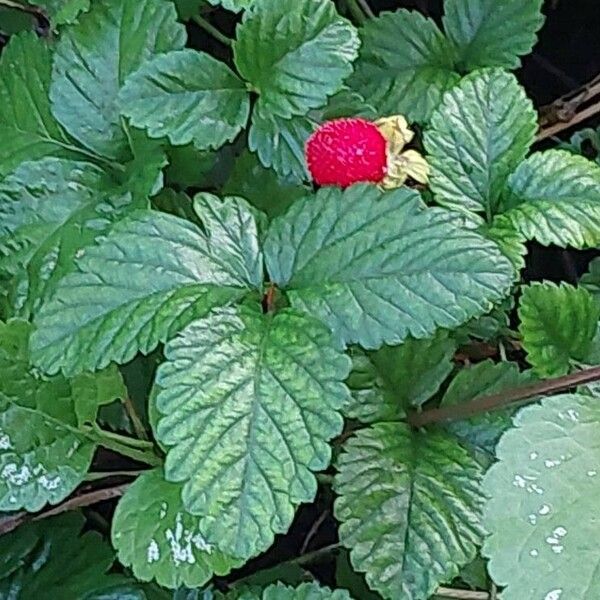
(279, 591)
(542, 513)
(155, 536)
(43, 456)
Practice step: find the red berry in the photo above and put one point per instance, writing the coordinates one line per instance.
(347, 151)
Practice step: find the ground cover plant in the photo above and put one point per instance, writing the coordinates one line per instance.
(266, 328)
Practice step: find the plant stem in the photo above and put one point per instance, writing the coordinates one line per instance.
(503, 399)
(94, 476)
(139, 450)
(365, 6)
(138, 426)
(356, 11)
(212, 30)
(455, 594)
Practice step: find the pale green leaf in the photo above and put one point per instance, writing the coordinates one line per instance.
(388, 382)
(554, 198)
(476, 138)
(49, 211)
(543, 491)
(405, 65)
(160, 540)
(295, 55)
(591, 280)
(409, 505)
(43, 456)
(280, 591)
(558, 324)
(378, 267)
(94, 57)
(50, 559)
(492, 33)
(187, 96)
(151, 276)
(483, 431)
(249, 403)
(27, 128)
(64, 11)
(234, 5)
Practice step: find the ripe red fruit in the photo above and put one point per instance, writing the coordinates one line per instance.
(347, 151)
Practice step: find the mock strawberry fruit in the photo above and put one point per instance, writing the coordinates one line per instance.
(347, 151)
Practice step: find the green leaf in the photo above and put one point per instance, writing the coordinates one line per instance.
(409, 507)
(405, 65)
(279, 143)
(50, 559)
(388, 382)
(541, 515)
(483, 431)
(234, 5)
(187, 96)
(249, 403)
(27, 128)
(489, 327)
(558, 324)
(43, 456)
(492, 33)
(378, 267)
(279, 591)
(94, 57)
(262, 187)
(151, 276)
(591, 280)
(50, 210)
(585, 142)
(476, 138)
(554, 198)
(65, 11)
(294, 55)
(160, 540)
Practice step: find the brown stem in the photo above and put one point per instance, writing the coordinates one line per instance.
(461, 594)
(503, 399)
(10, 523)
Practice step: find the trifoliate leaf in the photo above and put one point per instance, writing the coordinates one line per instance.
(94, 57)
(151, 276)
(378, 267)
(294, 55)
(27, 128)
(249, 403)
(262, 187)
(477, 137)
(160, 540)
(234, 5)
(541, 515)
(49, 211)
(50, 559)
(388, 382)
(405, 65)
(280, 591)
(492, 33)
(43, 456)
(409, 507)
(279, 143)
(554, 198)
(558, 324)
(483, 431)
(187, 96)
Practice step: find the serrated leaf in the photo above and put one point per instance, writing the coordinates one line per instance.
(591, 280)
(558, 324)
(249, 404)
(388, 382)
(489, 327)
(49, 211)
(261, 186)
(280, 591)
(409, 505)
(65, 11)
(404, 66)
(94, 57)
(43, 456)
(483, 431)
(476, 138)
(378, 267)
(294, 55)
(160, 540)
(187, 96)
(57, 562)
(279, 143)
(27, 128)
(492, 33)
(233, 5)
(554, 198)
(151, 276)
(541, 515)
